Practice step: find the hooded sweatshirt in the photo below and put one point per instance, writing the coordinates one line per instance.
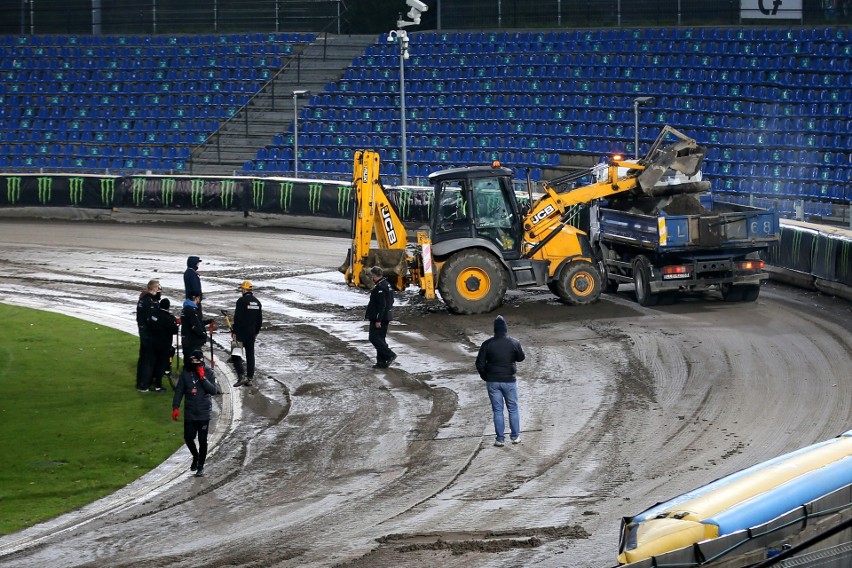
(498, 355)
(191, 280)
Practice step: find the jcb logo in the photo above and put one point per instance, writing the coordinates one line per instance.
(365, 175)
(543, 214)
(388, 222)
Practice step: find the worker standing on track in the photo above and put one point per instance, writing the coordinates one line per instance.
(192, 281)
(248, 317)
(379, 314)
(146, 306)
(193, 332)
(496, 364)
(162, 327)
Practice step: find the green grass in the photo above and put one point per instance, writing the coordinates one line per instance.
(72, 426)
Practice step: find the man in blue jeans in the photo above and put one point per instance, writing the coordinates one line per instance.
(496, 365)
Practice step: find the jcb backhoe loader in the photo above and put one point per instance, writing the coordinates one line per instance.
(482, 241)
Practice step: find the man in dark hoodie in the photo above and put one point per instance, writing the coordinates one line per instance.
(248, 318)
(191, 280)
(162, 327)
(496, 366)
(193, 333)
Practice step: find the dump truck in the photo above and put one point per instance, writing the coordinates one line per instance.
(680, 244)
(483, 240)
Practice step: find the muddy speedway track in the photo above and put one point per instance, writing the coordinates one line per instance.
(329, 462)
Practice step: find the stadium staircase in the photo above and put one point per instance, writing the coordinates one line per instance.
(270, 110)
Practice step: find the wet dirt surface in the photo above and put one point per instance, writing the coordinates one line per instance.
(329, 462)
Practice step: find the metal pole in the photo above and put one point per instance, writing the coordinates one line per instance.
(636, 129)
(402, 49)
(154, 15)
(295, 135)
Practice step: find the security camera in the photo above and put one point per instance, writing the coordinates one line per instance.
(417, 5)
(414, 15)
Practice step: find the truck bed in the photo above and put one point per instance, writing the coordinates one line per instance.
(723, 228)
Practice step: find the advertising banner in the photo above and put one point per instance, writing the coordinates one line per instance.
(771, 9)
(49, 190)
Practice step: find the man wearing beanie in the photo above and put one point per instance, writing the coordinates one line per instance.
(496, 365)
(162, 327)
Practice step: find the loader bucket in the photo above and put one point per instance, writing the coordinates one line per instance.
(393, 262)
(686, 160)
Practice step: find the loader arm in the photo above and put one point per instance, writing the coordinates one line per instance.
(550, 213)
(374, 214)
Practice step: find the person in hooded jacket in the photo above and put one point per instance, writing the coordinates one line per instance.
(162, 327)
(146, 306)
(496, 364)
(193, 332)
(196, 386)
(191, 279)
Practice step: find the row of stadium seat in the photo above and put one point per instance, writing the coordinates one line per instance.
(157, 40)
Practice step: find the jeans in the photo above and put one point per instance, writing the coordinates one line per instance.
(508, 393)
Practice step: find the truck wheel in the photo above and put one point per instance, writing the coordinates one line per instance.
(472, 282)
(579, 283)
(750, 292)
(642, 280)
(731, 293)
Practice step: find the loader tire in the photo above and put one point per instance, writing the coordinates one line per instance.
(472, 282)
(642, 281)
(579, 283)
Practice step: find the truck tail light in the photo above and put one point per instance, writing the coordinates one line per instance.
(750, 265)
(676, 272)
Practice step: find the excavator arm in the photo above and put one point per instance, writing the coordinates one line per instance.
(374, 214)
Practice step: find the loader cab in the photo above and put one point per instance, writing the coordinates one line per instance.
(477, 203)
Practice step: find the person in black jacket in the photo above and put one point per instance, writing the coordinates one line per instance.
(193, 332)
(496, 364)
(196, 385)
(248, 317)
(379, 313)
(191, 280)
(162, 327)
(146, 305)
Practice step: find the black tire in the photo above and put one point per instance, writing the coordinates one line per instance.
(731, 293)
(642, 281)
(553, 288)
(472, 282)
(579, 283)
(750, 292)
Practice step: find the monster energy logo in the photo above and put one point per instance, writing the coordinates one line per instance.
(285, 195)
(844, 260)
(228, 187)
(75, 190)
(167, 191)
(137, 191)
(405, 203)
(344, 199)
(107, 190)
(196, 192)
(45, 189)
(13, 189)
(257, 190)
(314, 196)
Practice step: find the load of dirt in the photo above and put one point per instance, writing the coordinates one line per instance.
(682, 204)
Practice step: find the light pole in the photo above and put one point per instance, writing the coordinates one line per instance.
(296, 95)
(417, 8)
(637, 102)
(402, 37)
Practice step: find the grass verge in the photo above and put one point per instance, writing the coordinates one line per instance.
(73, 427)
